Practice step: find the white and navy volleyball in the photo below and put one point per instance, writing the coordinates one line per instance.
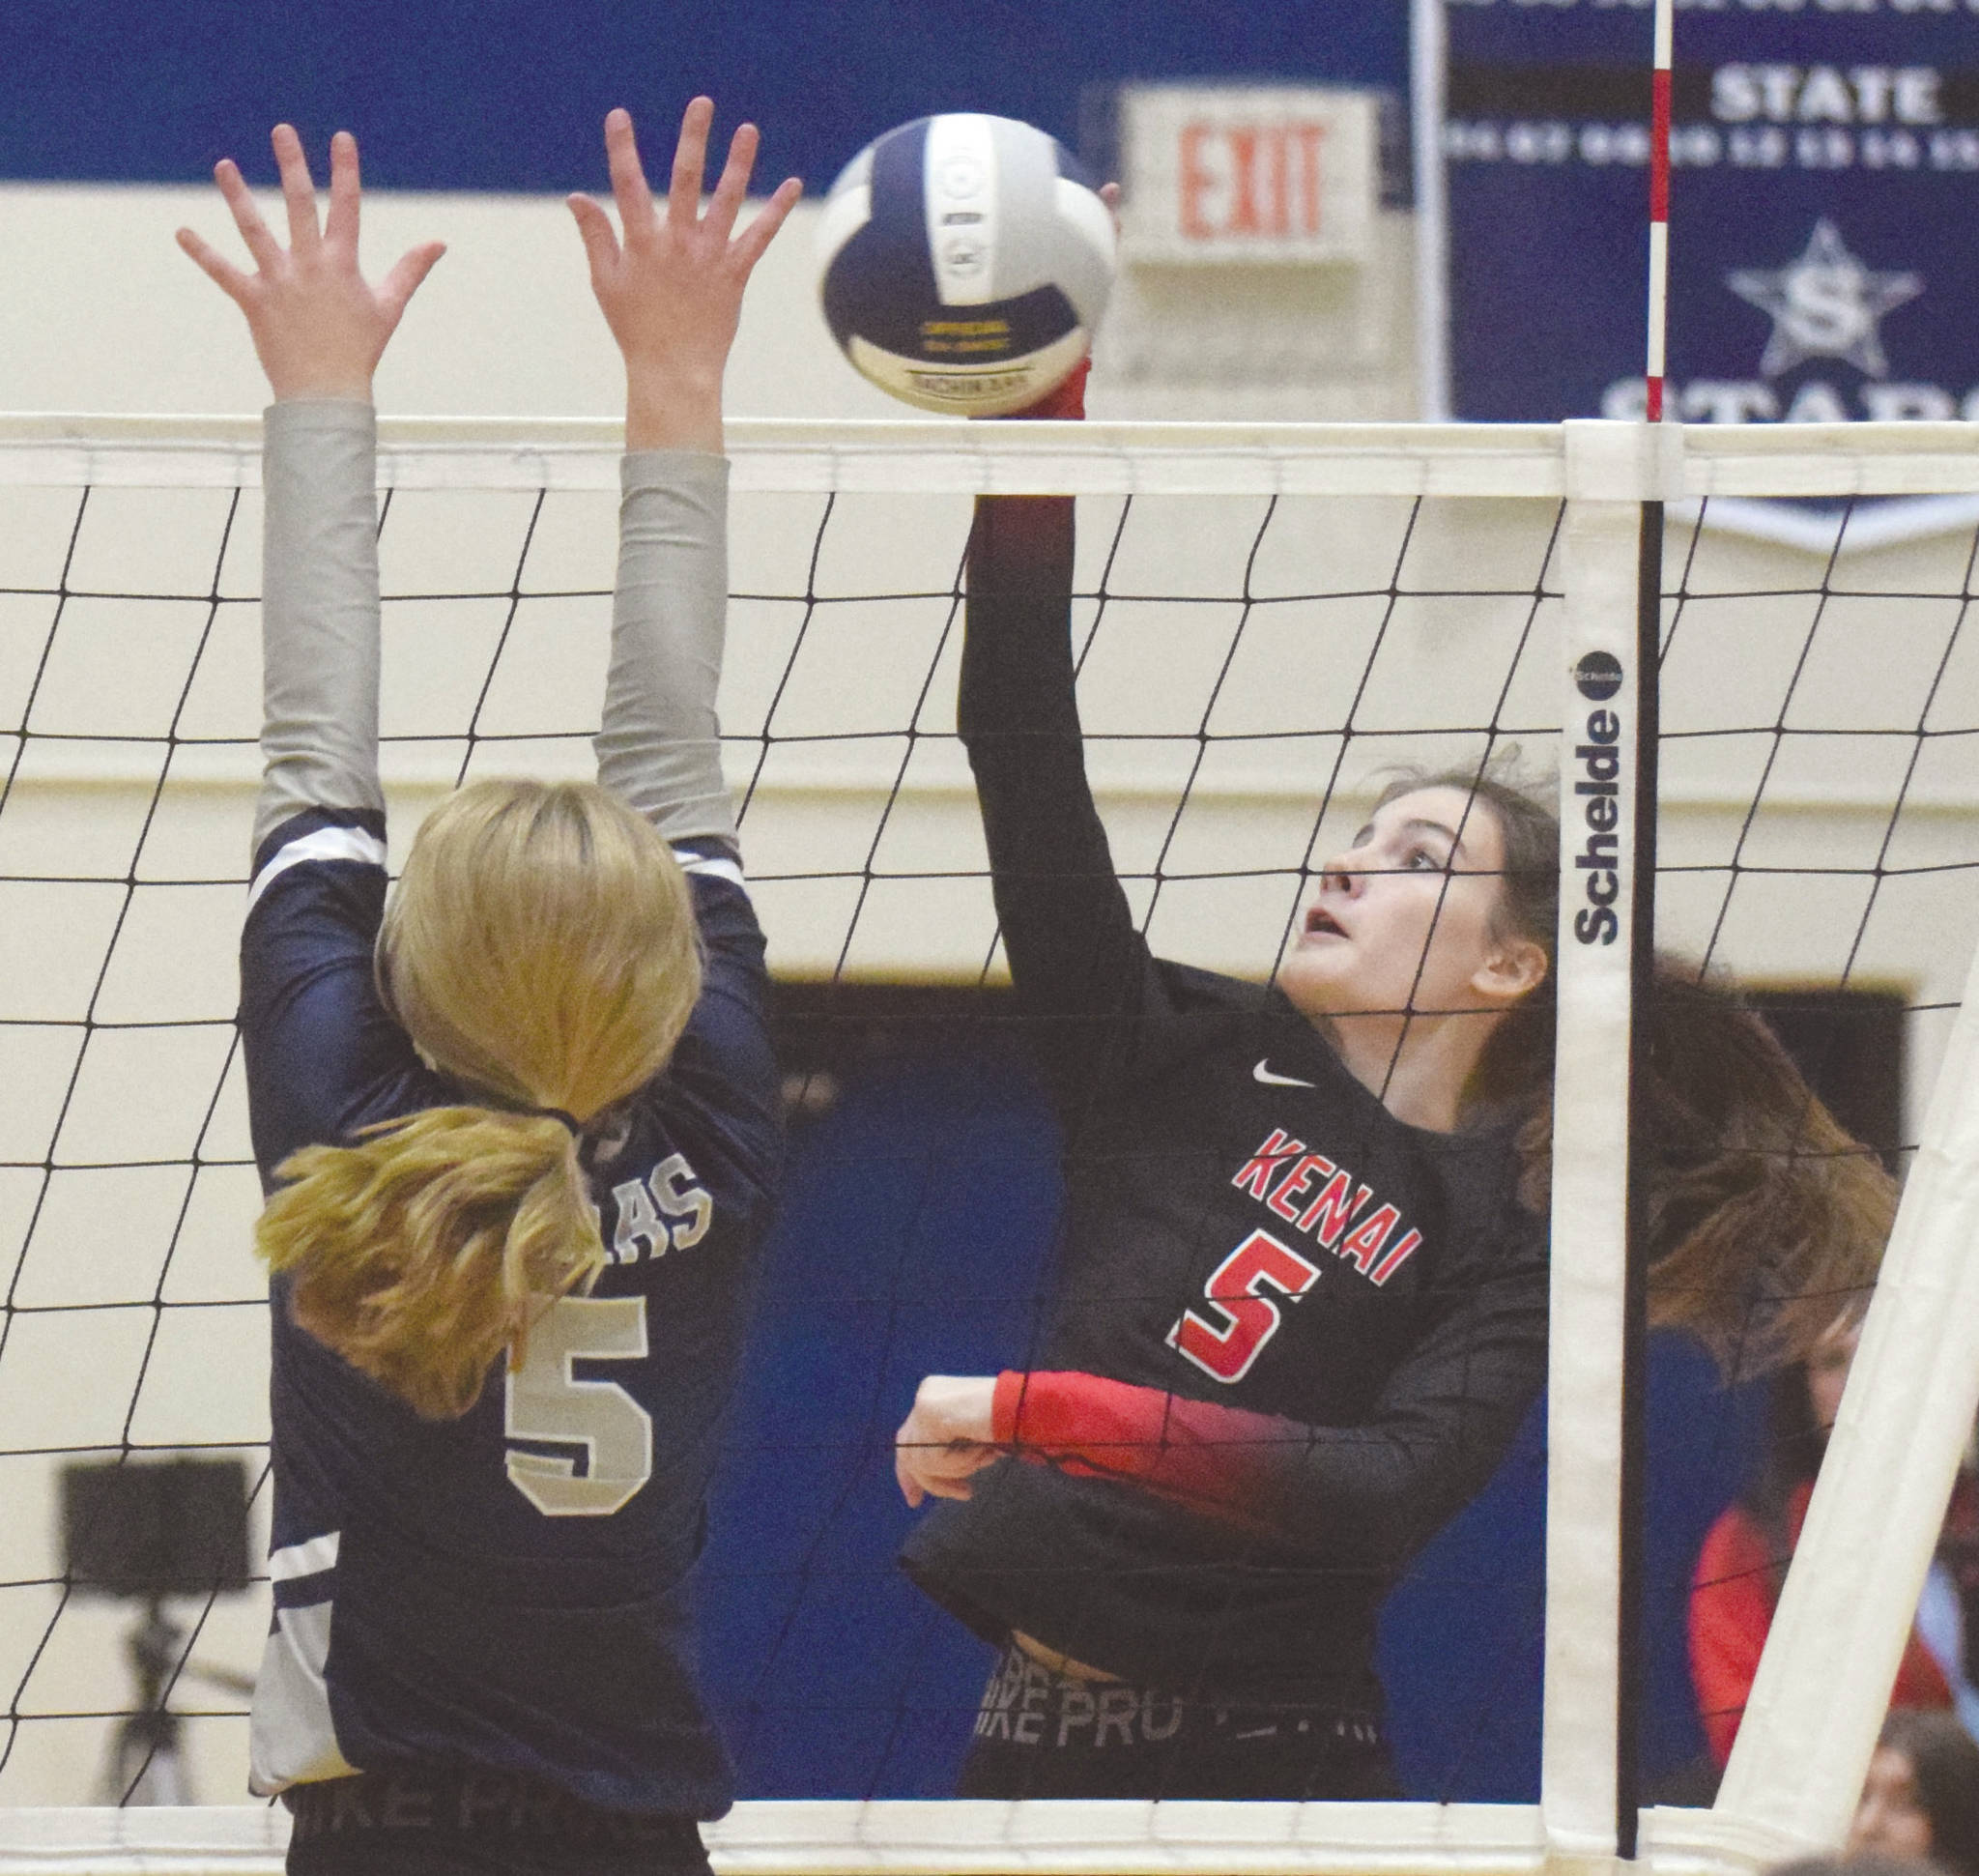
(966, 261)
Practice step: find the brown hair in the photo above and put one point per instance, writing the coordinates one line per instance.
(541, 951)
(1767, 1220)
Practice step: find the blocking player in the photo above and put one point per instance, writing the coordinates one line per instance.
(517, 1120)
(1301, 1301)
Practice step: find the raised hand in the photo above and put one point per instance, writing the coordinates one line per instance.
(319, 327)
(671, 289)
(946, 1439)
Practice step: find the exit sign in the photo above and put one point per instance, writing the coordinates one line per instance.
(1247, 173)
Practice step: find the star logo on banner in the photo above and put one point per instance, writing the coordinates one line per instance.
(1824, 305)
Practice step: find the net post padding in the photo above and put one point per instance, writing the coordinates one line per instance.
(1823, 1682)
(1580, 1740)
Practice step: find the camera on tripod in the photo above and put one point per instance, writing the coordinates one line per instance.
(142, 1531)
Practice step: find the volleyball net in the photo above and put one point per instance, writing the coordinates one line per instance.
(1270, 620)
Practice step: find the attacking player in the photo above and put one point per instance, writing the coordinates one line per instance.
(518, 1122)
(1301, 1302)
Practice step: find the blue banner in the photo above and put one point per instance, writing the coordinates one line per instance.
(1823, 183)
(487, 95)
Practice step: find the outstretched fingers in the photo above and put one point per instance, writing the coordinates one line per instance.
(747, 247)
(629, 188)
(726, 201)
(594, 230)
(319, 327)
(690, 157)
(403, 281)
(637, 210)
(669, 282)
(241, 205)
(299, 189)
(340, 226)
(215, 265)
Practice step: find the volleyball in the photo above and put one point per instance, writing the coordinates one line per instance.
(965, 261)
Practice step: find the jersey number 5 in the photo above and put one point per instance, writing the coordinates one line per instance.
(1241, 1319)
(547, 1403)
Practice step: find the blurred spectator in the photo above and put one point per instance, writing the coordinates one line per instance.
(1861, 1862)
(1743, 1563)
(1921, 1798)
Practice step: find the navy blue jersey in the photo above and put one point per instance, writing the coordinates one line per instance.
(510, 1589)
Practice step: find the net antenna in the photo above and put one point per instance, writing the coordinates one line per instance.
(1428, 540)
(1630, 1680)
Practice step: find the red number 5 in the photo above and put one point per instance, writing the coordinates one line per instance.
(1242, 1317)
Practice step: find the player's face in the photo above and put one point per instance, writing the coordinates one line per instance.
(1405, 919)
(1891, 1820)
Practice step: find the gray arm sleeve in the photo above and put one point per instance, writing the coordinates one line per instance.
(660, 747)
(319, 610)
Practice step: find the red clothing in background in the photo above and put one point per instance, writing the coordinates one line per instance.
(1732, 1599)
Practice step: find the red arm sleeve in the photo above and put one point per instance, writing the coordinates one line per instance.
(1730, 1611)
(1223, 1462)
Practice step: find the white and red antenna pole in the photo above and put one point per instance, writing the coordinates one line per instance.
(1631, 1676)
(1659, 203)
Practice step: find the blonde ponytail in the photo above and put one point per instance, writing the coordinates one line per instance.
(428, 1248)
(540, 947)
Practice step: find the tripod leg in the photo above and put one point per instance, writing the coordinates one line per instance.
(145, 1765)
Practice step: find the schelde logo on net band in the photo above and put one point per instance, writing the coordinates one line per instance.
(1598, 677)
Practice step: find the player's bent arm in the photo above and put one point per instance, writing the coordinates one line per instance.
(1354, 1496)
(659, 747)
(1367, 1496)
(319, 610)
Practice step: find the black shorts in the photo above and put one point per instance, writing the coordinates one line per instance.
(1041, 1734)
(447, 1821)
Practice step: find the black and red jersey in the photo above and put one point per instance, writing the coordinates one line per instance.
(1290, 1336)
